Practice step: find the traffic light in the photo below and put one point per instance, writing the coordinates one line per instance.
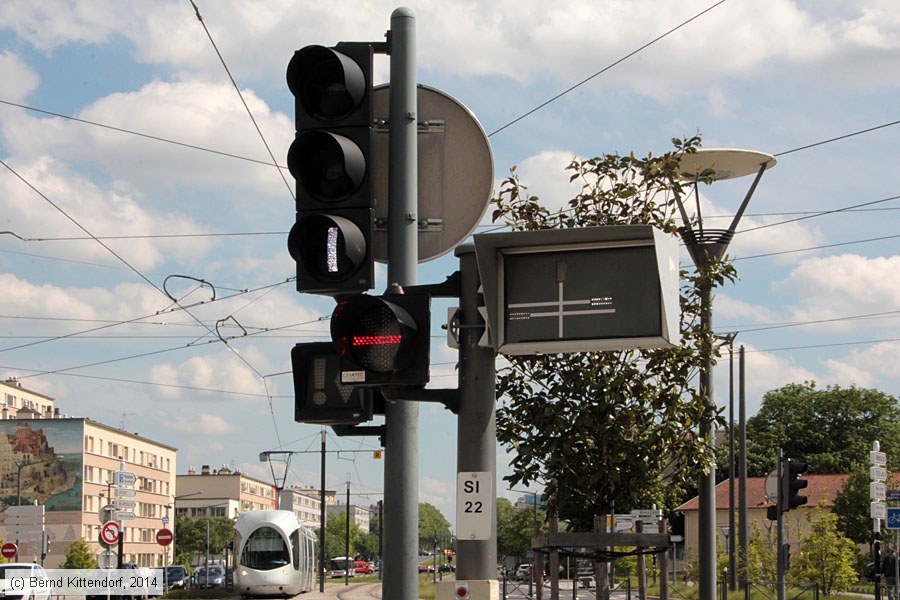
(331, 159)
(383, 340)
(319, 395)
(790, 472)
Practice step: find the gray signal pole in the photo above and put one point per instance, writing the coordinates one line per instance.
(401, 464)
(476, 428)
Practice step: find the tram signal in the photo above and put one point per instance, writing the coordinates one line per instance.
(791, 472)
(383, 340)
(331, 159)
(319, 396)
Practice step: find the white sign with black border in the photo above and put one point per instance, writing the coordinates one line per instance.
(474, 505)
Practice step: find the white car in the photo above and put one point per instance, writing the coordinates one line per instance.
(15, 577)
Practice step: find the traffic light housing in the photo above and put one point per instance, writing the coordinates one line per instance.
(319, 396)
(383, 340)
(331, 159)
(791, 472)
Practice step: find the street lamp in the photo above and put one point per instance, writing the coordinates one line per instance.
(707, 247)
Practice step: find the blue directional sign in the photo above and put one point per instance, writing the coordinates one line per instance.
(893, 518)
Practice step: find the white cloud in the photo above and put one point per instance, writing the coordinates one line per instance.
(203, 424)
(111, 211)
(843, 285)
(18, 80)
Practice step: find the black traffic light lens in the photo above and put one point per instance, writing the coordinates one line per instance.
(330, 85)
(330, 167)
(376, 339)
(329, 245)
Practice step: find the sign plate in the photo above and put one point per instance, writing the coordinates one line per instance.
(877, 458)
(877, 473)
(124, 515)
(877, 491)
(474, 505)
(892, 495)
(125, 478)
(893, 518)
(108, 560)
(109, 533)
(124, 503)
(123, 491)
(877, 510)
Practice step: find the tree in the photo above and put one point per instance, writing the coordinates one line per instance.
(192, 535)
(336, 535)
(831, 429)
(515, 527)
(432, 525)
(761, 566)
(826, 557)
(851, 505)
(597, 429)
(79, 556)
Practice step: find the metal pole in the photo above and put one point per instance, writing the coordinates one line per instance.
(476, 423)
(707, 495)
(743, 525)
(349, 563)
(779, 528)
(401, 465)
(322, 520)
(732, 538)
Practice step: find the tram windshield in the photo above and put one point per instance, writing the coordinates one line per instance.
(264, 550)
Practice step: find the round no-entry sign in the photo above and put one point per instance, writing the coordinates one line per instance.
(9, 550)
(109, 533)
(164, 537)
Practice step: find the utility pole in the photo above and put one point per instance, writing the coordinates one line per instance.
(401, 465)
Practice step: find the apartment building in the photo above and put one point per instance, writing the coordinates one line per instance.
(68, 465)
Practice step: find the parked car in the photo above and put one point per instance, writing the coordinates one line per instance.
(361, 567)
(446, 568)
(22, 572)
(214, 578)
(177, 577)
(523, 572)
(426, 568)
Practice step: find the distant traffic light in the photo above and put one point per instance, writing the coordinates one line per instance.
(791, 471)
(331, 159)
(319, 395)
(383, 340)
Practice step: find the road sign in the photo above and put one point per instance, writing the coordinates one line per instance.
(109, 533)
(165, 521)
(108, 560)
(892, 495)
(877, 473)
(893, 518)
(647, 513)
(35, 511)
(121, 504)
(106, 513)
(580, 290)
(9, 550)
(124, 492)
(772, 486)
(877, 491)
(877, 510)
(164, 537)
(474, 505)
(124, 515)
(877, 458)
(125, 478)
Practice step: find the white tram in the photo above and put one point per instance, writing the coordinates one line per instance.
(275, 555)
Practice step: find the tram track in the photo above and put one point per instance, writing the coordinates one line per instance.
(362, 591)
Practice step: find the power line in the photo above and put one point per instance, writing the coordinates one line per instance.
(139, 134)
(243, 101)
(875, 239)
(604, 69)
(840, 137)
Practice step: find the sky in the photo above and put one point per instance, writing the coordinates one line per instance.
(140, 205)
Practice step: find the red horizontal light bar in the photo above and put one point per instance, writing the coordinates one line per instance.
(377, 340)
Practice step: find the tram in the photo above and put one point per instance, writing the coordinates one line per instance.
(275, 554)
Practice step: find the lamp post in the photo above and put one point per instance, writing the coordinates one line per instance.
(707, 247)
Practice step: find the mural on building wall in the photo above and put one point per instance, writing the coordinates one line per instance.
(49, 454)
